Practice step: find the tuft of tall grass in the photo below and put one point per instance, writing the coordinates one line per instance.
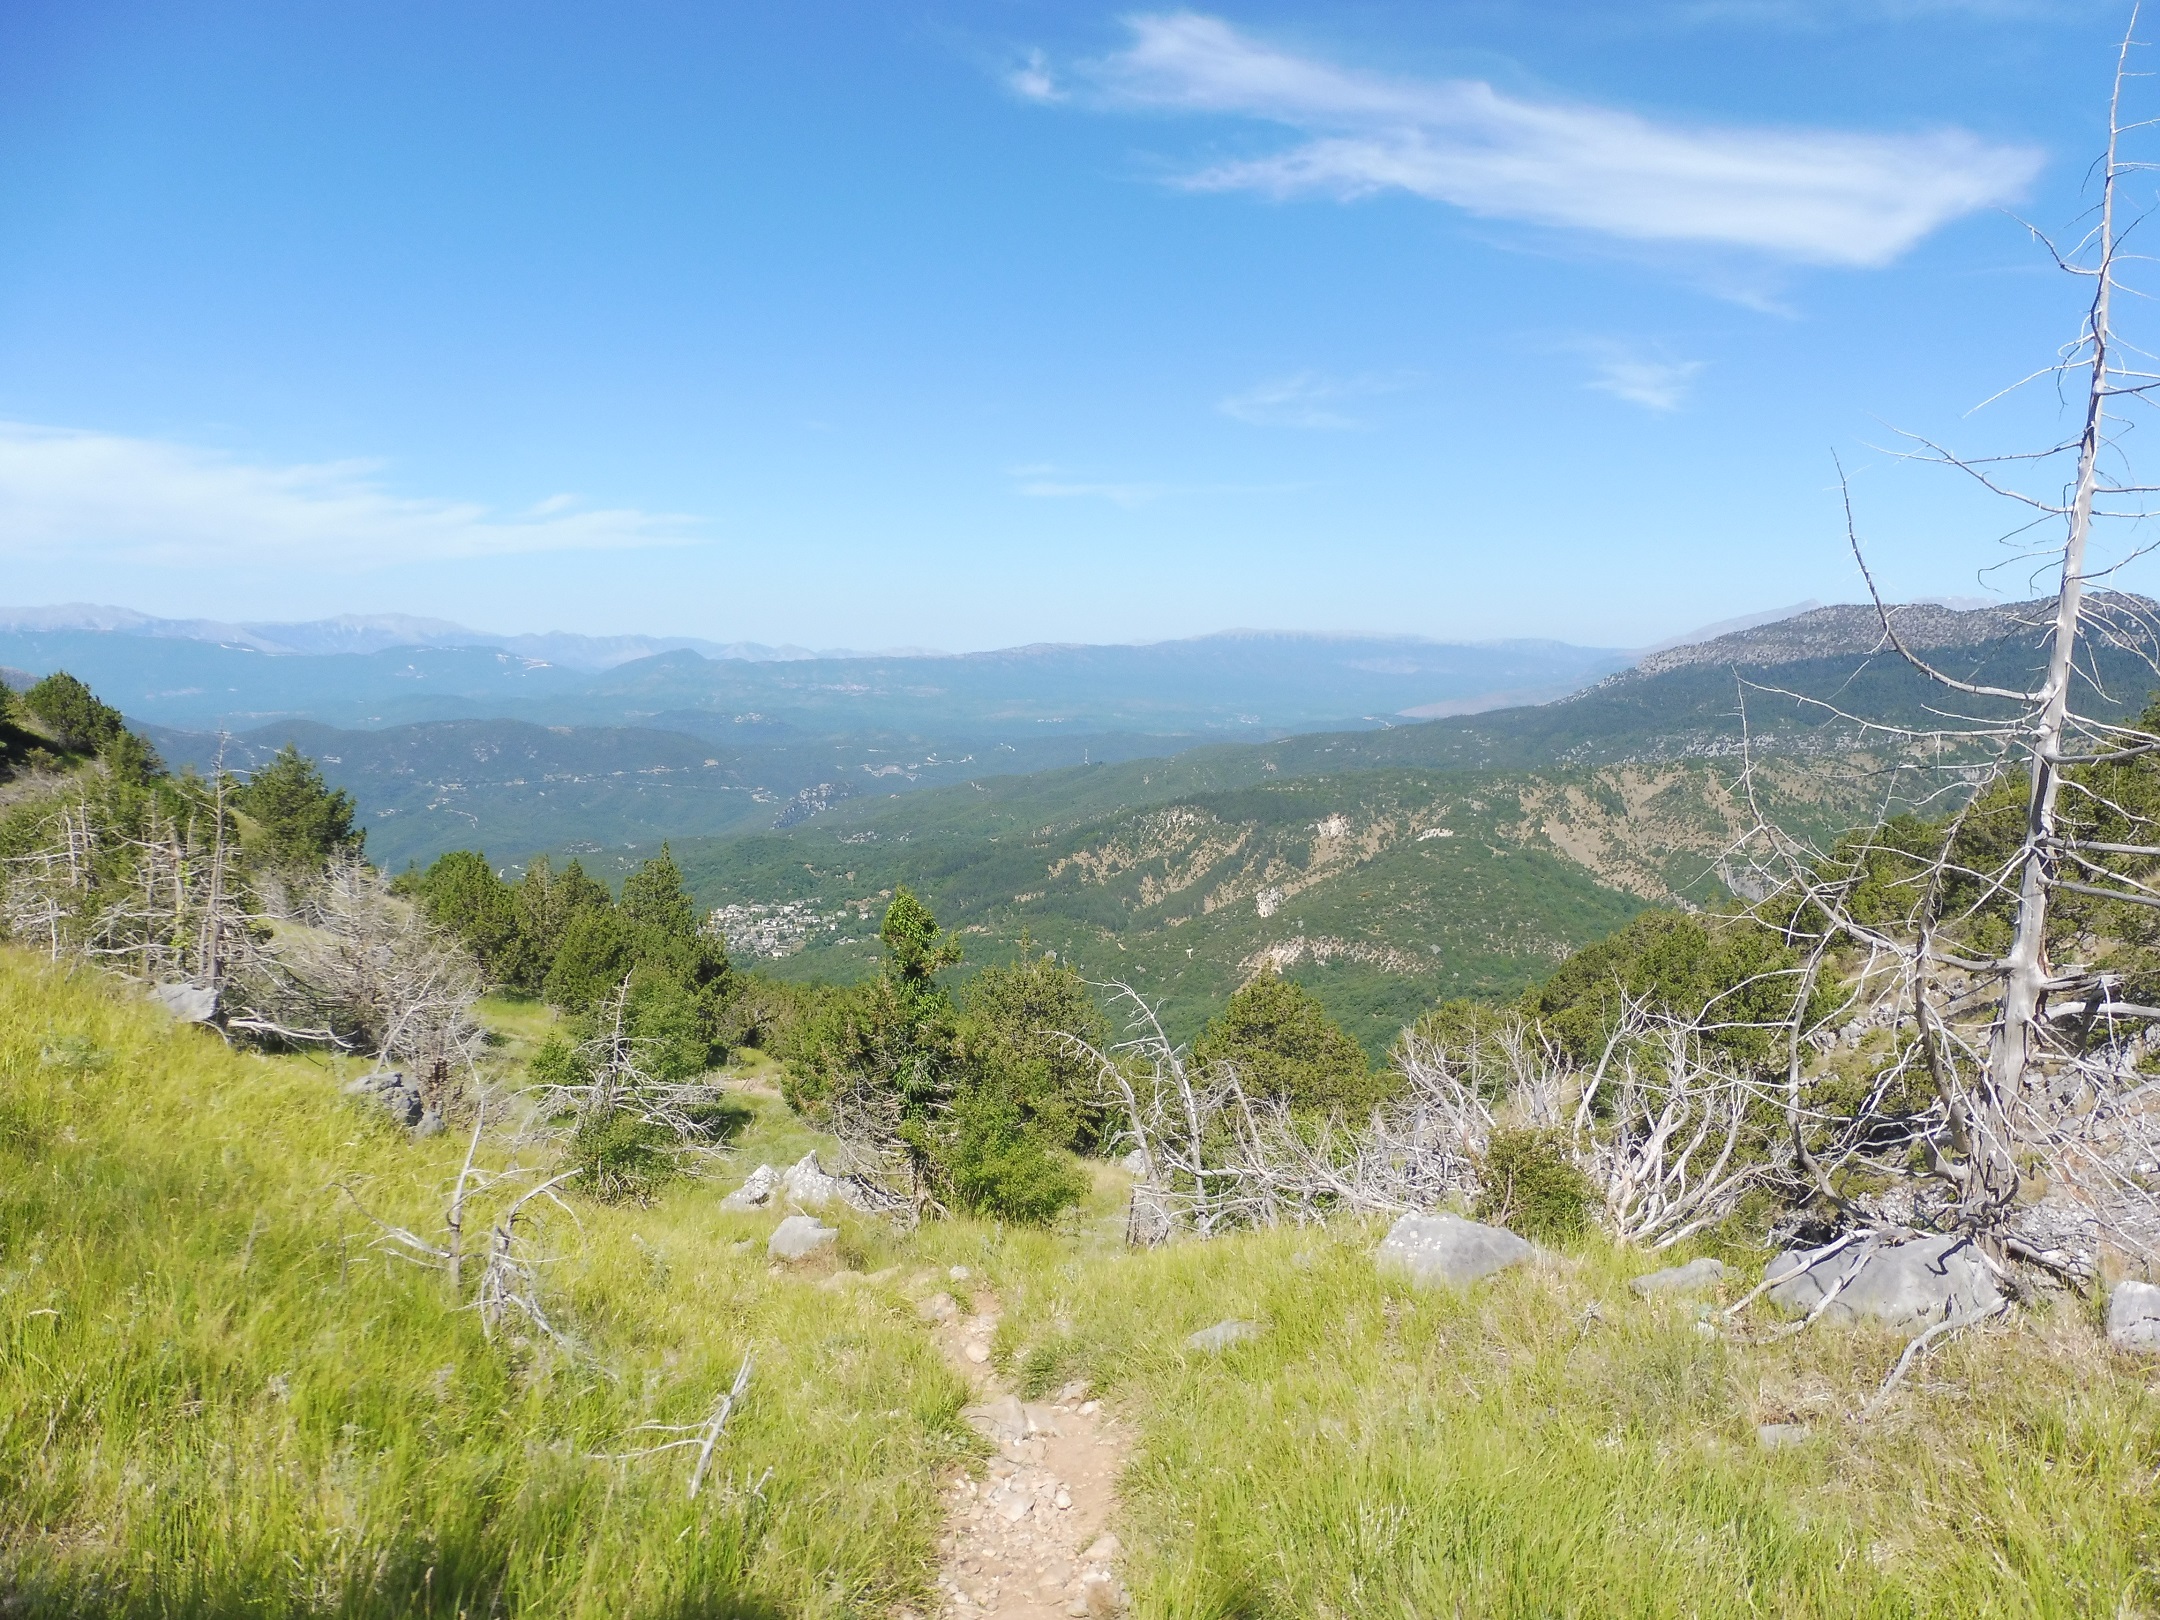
(218, 1399)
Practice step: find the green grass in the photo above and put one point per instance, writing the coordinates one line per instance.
(1512, 1451)
(217, 1399)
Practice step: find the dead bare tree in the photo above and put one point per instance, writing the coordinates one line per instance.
(1667, 1129)
(609, 1078)
(2024, 1062)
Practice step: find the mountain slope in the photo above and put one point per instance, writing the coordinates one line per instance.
(1384, 868)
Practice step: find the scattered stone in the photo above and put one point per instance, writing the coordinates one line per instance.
(1004, 1419)
(1214, 1340)
(1911, 1285)
(798, 1236)
(939, 1308)
(1777, 1436)
(1090, 1408)
(959, 1274)
(756, 1192)
(1691, 1278)
(429, 1123)
(1102, 1549)
(190, 1003)
(2133, 1318)
(1075, 1391)
(1062, 1500)
(807, 1184)
(976, 1351)
(1448, 1250)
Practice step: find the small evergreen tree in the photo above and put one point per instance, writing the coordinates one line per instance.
(299, 819)
(462, 893)
(1283, 1045)
(73, 714)
(1016, 1022)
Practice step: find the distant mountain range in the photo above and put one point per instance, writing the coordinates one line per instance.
(335, 672)
(379, 632)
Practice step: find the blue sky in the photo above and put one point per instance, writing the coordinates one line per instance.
(968, 325)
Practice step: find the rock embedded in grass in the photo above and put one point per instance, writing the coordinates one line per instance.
(1908, 1286)
(1777, 1436)
(1694, 1277)
(2133, 1317)
(756, 1192)
(1448, 1251)
(799, 1236)
(1214, 1340)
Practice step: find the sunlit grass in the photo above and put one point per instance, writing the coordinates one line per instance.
(1548, 1444)
(217, 1398)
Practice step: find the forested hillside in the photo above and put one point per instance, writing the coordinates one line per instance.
(1383, 868)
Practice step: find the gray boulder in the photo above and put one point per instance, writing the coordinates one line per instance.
(798, 1236)
(190, 1003)
(1697, 1276)
(1911, 1285)
(756, 1192)
(1777, 1436)
(806, 1183)
(1135, 1163)
(2133, 1318)
(1214, 1340)
(1446, 1250)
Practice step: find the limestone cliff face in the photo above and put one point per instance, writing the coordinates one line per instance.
(1856, 628)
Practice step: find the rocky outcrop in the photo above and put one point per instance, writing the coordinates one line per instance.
(798, 1237)
(1908, 1286)
(2133, 1318)
(1448, 1251)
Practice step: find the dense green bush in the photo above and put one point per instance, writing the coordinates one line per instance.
(620, 1157)
(1732, 971)
(1528, 1184)
(1279, 1038)
(1019, 1024)
(74, 715)
(977, 1103)
(994, 1165)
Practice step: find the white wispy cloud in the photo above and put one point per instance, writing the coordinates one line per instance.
(1808, 196)
(1047, 484)
(67, 492)
(1033, 80)
(1651, 381)
(1306, 400)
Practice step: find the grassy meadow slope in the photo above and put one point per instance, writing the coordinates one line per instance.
(217, 1399)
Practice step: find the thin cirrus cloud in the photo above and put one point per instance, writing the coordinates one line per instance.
(1044, 483)
(1821, 197)
(67, 492)
(1651, 381)
(1307, 400)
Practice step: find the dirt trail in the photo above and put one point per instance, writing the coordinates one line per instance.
(1030, 1540)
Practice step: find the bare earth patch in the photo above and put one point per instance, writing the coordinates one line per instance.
(1030, 1540)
